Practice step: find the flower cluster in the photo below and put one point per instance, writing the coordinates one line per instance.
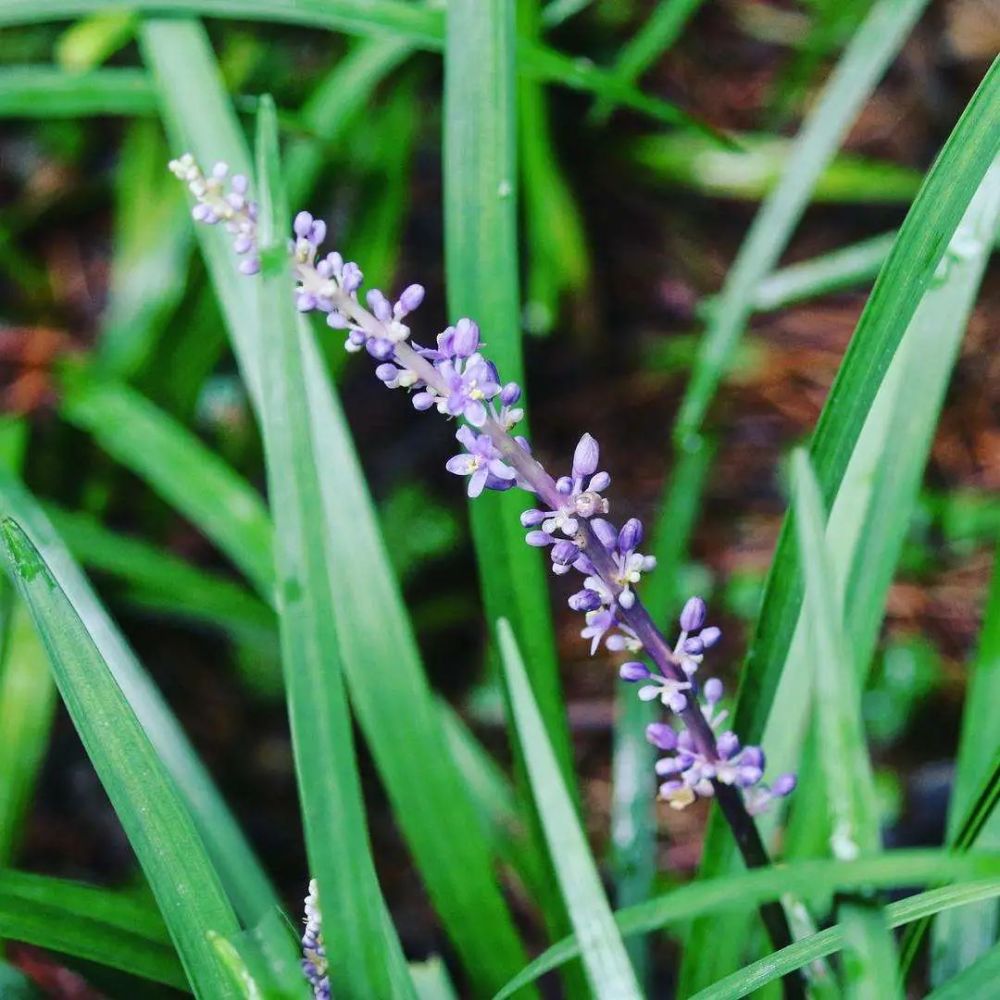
(690, 773)
(314, 964)
(568, 518)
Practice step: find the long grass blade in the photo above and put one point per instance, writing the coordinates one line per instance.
(400, 720)
(88, 922)
(50, 92)
(482, 271)
(903, 416)
(750, 889)
(960, 938)
(367, 959)
(245, 881)
(871, 51)
(850, 783)
(605, 960)
(145, 798)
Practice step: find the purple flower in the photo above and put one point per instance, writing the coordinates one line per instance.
(480, 460)
(469, 383)
(633, 671)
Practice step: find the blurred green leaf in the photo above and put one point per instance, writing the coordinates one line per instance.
(748, 889)
(91, 40)
(975, 980)
(648, 44)
(144, 796)
(49, 92)
(605, 960)
(88, 922)
(152, 244)
(418, 25)
(27, 702)
(961, 938)
(859, 70)
(190, 478)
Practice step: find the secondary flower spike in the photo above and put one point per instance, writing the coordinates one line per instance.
(567, 516)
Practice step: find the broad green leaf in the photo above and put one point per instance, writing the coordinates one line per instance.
(961, 937)
(859, 70)
(399, 719)
(747, 890)
(480, 207)
(50, 92)
(27, 701)
(605, 960)
(142, 792)
(431, 980)
(245, 881)
(366, 959)
(200, 486)
(655, 37)
(88, 922)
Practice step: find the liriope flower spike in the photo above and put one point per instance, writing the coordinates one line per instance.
(568, 514)
(313, 950)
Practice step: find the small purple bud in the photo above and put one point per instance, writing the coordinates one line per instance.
(753, 757)
(564, 552)
(661, 735)
(386, 372)
(422, 400)
(242, 244)
(530, 518)
(337, 321)
(784, 785)
(318, 232)
(510, 394)
(668, 765)
(220, 170)
(380, 349)
(538, 538)
(584, 600)
(633, 671)
(630, 537)
(564, 485)
(599, 482)
(710, 636)
(694, 646)
(727, 744)
(713, 690)
(605, 531)
(251, 265)
(585, 457)
(239, 184)
(351, 277)
(466, 338)
(411, 298)
(379, 305)
(303, 224)
(305, 302)
(693, 616)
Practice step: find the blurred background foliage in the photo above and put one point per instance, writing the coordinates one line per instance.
(111, 337)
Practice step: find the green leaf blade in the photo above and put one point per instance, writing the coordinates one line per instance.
(158, 825)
